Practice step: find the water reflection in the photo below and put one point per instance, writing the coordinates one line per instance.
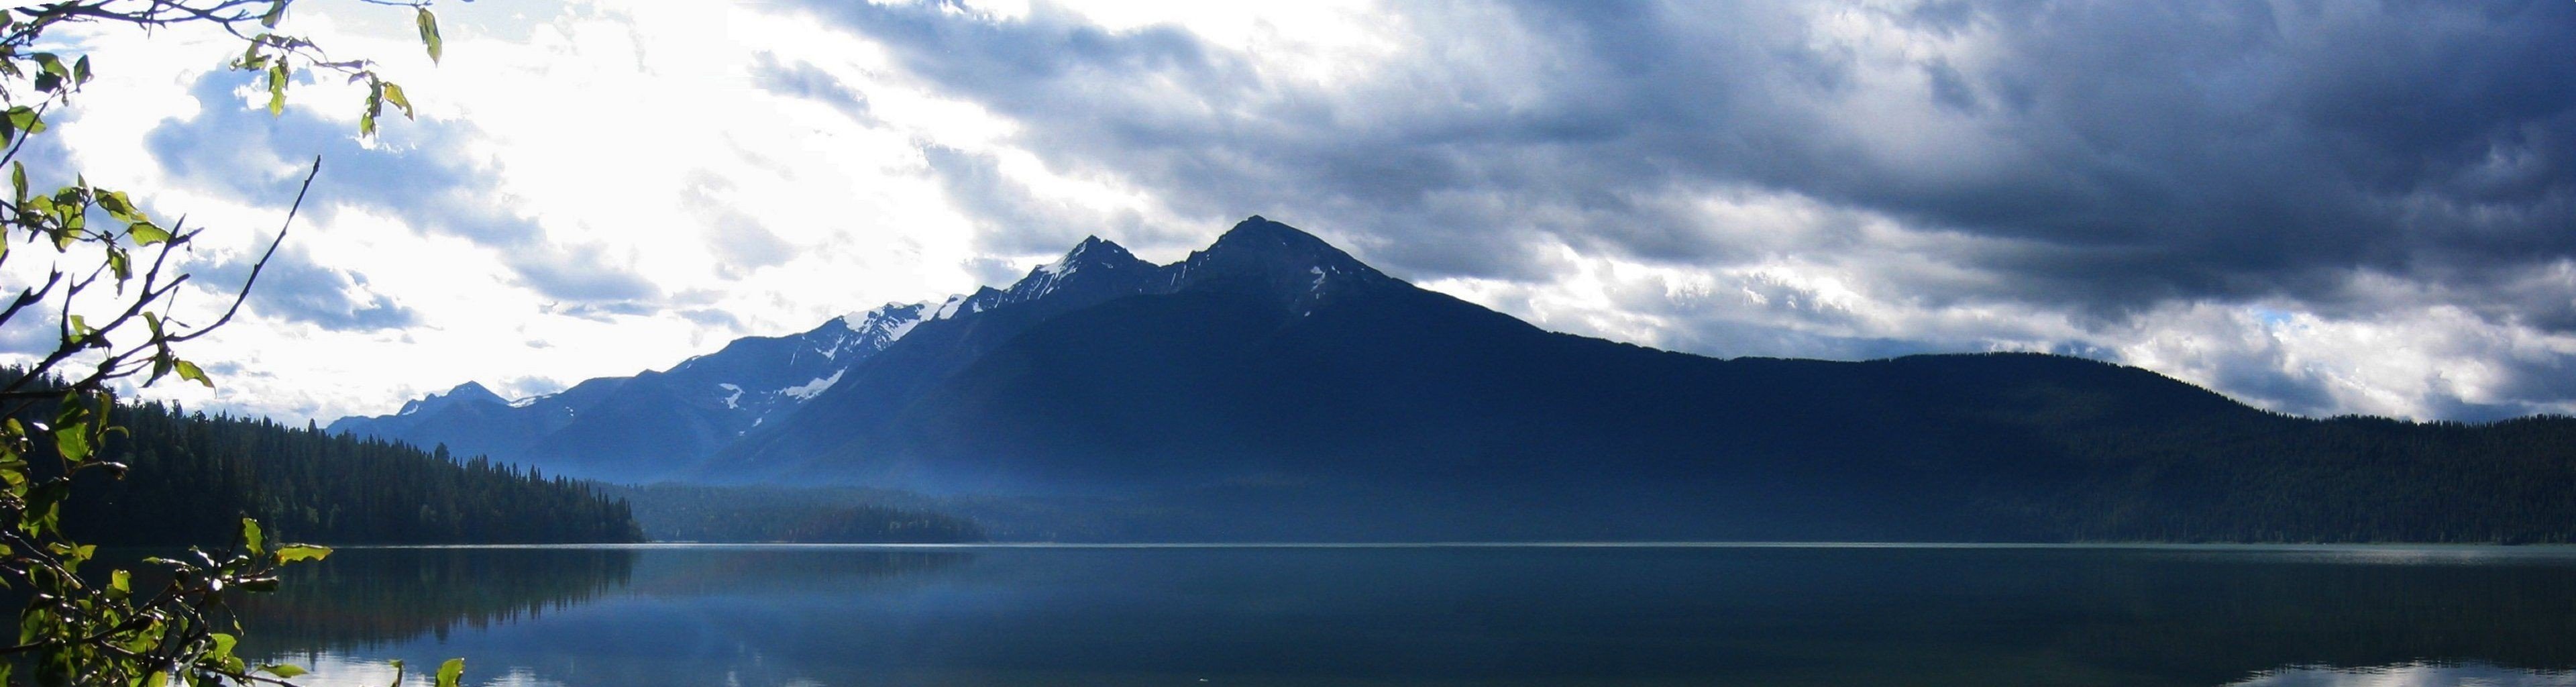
(369, 597)
(2187, 617)
(2410, 675)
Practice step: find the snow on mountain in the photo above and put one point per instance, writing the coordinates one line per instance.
(695, 407)
(809, 389)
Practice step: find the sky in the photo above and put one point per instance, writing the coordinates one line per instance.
(2317, 207)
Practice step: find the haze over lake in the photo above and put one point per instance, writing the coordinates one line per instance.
(2198, 616)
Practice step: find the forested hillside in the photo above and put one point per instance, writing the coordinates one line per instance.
(697, 513)
(193, 476)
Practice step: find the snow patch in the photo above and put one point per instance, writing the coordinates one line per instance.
(903, 326)
(807, 390)
(734, 400)
(949, 308)
(892, 321)
(1062, 266)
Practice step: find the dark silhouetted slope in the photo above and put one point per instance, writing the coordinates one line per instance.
(1273, 387)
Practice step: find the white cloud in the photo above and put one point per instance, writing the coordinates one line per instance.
(600, 187)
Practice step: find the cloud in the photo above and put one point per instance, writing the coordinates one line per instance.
(416, 171)
(2068, 175)
(2320, 207)
(804, 80)
(295, 288)
(413, 171)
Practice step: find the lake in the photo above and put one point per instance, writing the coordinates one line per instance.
(2199, 616)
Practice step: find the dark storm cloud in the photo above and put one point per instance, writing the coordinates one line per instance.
(414, 174)
(2135, 153)
(2117, 168)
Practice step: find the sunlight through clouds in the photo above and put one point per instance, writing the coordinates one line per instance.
(596, 188)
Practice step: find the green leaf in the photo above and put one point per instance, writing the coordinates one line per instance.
(429, 33)
(24, 118)
(277, 88)
(394, 94)
(223, 645)
(52, 73)
(120, 264)
(251, 59)
(282, 670)
(44, 509)
(18, 179)
(74, 446)
(119, 206)
(80, 70)
(121, 581)
(31, 625)
(251, 538)
(301, 552)
(147, 233)
(452, 670)
(188, 370)
(276, 11)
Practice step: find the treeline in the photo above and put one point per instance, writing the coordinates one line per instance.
(683, 512)
(2341, 480)
(193, 476)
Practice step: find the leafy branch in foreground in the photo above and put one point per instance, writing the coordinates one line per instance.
(107, 292)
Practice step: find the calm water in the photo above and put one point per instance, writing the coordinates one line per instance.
(2196, 616)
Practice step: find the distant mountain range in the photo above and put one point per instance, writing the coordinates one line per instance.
(1273, 387)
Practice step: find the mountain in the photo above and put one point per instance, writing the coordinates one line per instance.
(1273, 387)
(647, 425)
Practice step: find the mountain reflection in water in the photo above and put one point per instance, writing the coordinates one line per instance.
(1761, 615)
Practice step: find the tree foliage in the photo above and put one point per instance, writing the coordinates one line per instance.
(108, 286)
(705, 513)
(191, 473)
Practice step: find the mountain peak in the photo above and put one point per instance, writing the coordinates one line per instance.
(1093, 250)
(1258, 233)
(1260, 246)
(469, 392)
(1294, 266)
(472, 391)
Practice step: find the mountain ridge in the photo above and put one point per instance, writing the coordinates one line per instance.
(1272, 386)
